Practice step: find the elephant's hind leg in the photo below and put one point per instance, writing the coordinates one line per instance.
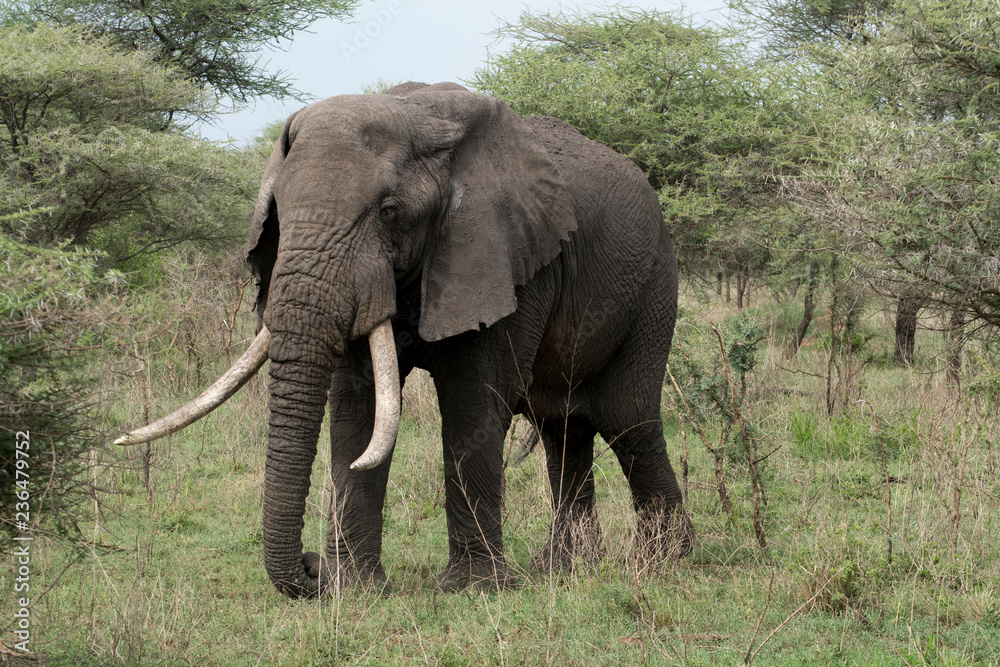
(575, 535)
(663, 529)
(627, 415)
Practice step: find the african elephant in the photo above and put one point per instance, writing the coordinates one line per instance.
(527, 268)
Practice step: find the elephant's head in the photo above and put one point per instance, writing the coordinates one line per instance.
(366, 192)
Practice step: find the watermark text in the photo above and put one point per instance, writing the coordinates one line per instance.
(378, 20)
(22, 548)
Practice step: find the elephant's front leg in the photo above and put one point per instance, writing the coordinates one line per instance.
(354, 527)
(474, 423)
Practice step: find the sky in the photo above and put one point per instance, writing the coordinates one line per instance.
(404, 40)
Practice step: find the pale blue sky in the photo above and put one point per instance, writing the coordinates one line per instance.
(405, 40)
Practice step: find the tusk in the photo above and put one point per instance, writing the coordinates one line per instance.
(387, 398)
(211, 398)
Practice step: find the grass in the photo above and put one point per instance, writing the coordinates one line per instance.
(177, 578)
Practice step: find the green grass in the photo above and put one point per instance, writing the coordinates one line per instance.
(178, 579)
(849, 436)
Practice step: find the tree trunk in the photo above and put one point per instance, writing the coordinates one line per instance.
(718, 283)
(742, 286)
(906, 328)
(729, 297)
(809, 307)
(953, 353)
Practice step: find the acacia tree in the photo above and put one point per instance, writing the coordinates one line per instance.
(54, 312)
(789, 28)
(93, 144)
(911, 164)
(219, 43)
(713, 131)
(786, 25)
(96, 151)
(899, 77)
(93, 152)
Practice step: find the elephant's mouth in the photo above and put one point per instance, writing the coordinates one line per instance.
(387, 396)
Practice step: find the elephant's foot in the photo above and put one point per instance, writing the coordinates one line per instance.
(484, 574)
(664, 533)
(571, 545)
(333, 579)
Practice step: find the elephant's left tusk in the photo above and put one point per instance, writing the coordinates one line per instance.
(388, 399)
(211, 398)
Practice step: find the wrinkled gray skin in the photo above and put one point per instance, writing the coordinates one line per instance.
(525, 266)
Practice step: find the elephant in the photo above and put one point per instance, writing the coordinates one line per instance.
(526, 267)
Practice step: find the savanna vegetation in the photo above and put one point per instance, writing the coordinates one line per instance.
(829, 172)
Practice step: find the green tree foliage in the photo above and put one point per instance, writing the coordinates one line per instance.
(706, 375)
(713, 134)
(616, 77)
(263, 142)
(786, 25)
(218, 43)
(93, 143)
(95, 153)
(52, 319)
(910, 145)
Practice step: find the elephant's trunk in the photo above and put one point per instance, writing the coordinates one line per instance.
(298, 395)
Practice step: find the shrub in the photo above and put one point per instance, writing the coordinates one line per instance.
(54, 310)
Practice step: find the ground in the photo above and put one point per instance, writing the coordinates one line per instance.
(868, 561)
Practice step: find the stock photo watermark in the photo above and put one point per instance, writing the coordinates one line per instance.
(22, 541)
(378, 20)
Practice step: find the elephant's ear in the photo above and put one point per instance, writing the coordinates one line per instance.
(508, 211)
(263, 247)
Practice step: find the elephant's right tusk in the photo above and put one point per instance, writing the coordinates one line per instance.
(388, 399)
(227, 385)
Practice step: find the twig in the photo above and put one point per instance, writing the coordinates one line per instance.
(232, 321)
(755, 484)
(720, 480)
(748, 658)
(956, 514)
(751, 656)
(147, 455)
(888, 483)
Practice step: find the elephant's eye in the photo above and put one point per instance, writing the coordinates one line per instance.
(388, 213)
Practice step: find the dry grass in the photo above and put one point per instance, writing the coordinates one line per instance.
(177, 578)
